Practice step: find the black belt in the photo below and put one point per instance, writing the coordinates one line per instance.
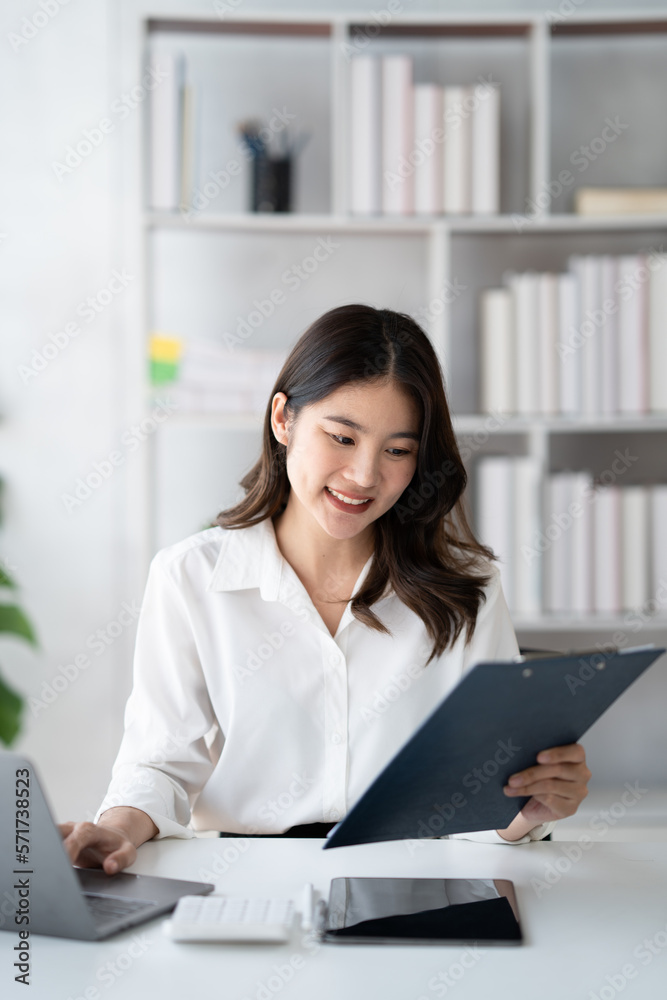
(305, 830)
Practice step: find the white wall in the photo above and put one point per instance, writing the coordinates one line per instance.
(61, 240)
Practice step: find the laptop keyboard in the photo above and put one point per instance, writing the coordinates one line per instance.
(105, 908)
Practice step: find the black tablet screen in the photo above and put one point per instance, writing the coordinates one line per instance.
(424, 910)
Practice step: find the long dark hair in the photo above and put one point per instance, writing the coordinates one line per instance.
(424, 547)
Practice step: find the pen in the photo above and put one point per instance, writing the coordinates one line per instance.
(307, 907)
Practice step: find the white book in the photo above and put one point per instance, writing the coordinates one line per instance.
(569, 358)
(397, 135)
(457, 151)
(427, 150)
(658, 545)
(581, 543)
(547, 330)
(658, 333)
(365, 136)
(632, 334)
(607, 551)
(494, 514)
(635, 542)
(496, 351)
(609, 399)
(587, 342)
(526, 341)
(527, 559)
(557, 541)
(165, 131)
(485, 150)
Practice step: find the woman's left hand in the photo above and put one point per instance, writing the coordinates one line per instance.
(556, 784)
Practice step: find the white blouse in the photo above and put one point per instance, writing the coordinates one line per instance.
(247, 716)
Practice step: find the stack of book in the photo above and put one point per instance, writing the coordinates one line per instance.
(421, 148)
(590, 342)
(204, 377)
(572, 545)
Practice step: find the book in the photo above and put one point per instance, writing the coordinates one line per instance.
(457, 153)
(494, 515)
(547, 327)
(635, 546)
(485, 149)
(580, 543)
(587, 272)
(620, 201)
(165, 131)
(657, 324)
(658, 544)
(365, 135)
(526, 556)
(609, 376)
(428, 151)
(569, 368)
(397, 135)
(632, 334)
(496, 351)
(556, 520)
(607, 550)
(526, 362)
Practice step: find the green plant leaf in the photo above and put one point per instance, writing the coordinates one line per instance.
(6, 580)
(13, 620)
(11, 705)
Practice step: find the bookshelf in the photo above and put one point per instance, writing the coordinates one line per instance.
(559, 81)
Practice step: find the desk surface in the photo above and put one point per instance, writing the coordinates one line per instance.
(584, 919)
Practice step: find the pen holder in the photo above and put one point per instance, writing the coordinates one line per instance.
(271, 184)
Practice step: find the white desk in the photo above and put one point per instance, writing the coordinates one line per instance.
(583, 928)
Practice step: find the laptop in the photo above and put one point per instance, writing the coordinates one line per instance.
(40, 889)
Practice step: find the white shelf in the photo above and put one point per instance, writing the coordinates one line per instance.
(591, 623)
(445, 246)
(425, 224)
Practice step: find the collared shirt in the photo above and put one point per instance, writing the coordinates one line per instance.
(248, 716)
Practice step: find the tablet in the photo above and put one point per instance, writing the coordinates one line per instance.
(421, 911)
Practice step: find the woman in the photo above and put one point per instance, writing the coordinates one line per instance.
(286, 653)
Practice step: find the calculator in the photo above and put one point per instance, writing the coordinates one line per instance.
(228, 918)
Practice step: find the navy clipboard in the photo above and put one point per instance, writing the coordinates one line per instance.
(449, 777)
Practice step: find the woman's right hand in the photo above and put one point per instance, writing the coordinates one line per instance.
(111, 843)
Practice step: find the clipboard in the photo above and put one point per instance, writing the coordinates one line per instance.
(449, 776)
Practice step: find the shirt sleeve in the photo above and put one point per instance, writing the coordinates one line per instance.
(494, 639)
(163, 760)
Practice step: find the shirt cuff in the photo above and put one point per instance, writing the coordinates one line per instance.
(493, 837)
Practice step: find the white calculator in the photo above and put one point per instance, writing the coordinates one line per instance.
(228, 918)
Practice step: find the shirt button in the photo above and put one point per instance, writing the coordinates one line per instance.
(335, 659)
(334, 815)
(336, 738)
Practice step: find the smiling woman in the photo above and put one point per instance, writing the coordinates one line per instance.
(348, 574)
